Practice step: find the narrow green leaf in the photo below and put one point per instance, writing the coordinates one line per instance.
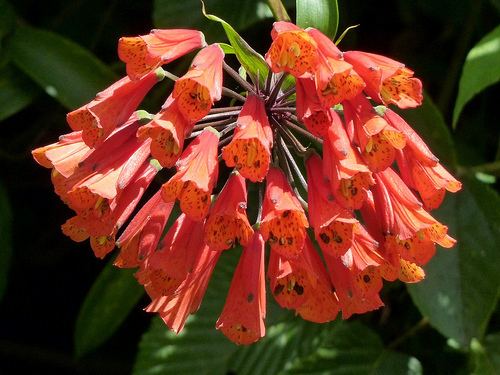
(241, 14)
(65, 70)
(486, 356)
(320, 14)
(199, 348)
(429, 123)
(462, 284)
(5, 239)
(114, 294)
(16, 91)
(481, 69)
(253, 62)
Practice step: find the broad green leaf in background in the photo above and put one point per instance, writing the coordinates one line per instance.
(351, 348)
(481, 69)
(199, 348)
(486, 356)
(5, 239)
(462, 284)
(16, 91)
(241, 14)
(65, 70)
(428, 122)
(114, 294)
(320, 14)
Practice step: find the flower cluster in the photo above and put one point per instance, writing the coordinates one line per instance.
(345, 185)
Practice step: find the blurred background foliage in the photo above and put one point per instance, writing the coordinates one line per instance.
(63, 311)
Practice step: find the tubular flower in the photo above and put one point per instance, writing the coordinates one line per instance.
(293, 50)
(167, 130)
(145, 53)
(367, 223)
(310, 111)
(250, 148)
(141, 236)
(111, 108)
(336, 80)
(377, 140)
(387, 81)
(163, 271)
(333, 225)
(349, 178)
(197, 90)
(283, 222)
(197, 171)
(302, 284)
(242, 319)
(227, 223)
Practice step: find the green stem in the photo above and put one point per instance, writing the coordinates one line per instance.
(423, 323)
(278, 10)
(490, 168)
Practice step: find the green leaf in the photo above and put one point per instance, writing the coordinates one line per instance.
(486, 356)
(16, 91)
(429, 123)
(5, 239)
(320, 14)
(481, 69)
(241, 14)
(114, 294)
(462, 284)
(199, 348)
(253, 62)
(65, 70)
(351, 348)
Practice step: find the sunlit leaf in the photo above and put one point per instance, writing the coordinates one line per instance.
(486, 355)
(16, 91)
(481, 69)
(114, 294)
(462, 284)
(351, 348)
(5, 239)
(320, 14)
(199, 348)
(65, 70)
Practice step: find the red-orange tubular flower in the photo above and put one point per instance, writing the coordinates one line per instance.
(283, 222)
(198, 89)
(111, 108)
(336, 80)
(350, 179)
(387, 81)
(250, 148)
(141, 236)
(197, 171)
(333, 225)
(377, 140)
(167, 130)
(293, 50)
(271, 127)
(145, 53)
(163, 271)
(227, 223)
(242, 319)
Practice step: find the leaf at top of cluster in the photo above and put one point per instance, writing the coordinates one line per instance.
(187, 14)
(461, 287)
(320, 14)
(481, 69)
(65, 70)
